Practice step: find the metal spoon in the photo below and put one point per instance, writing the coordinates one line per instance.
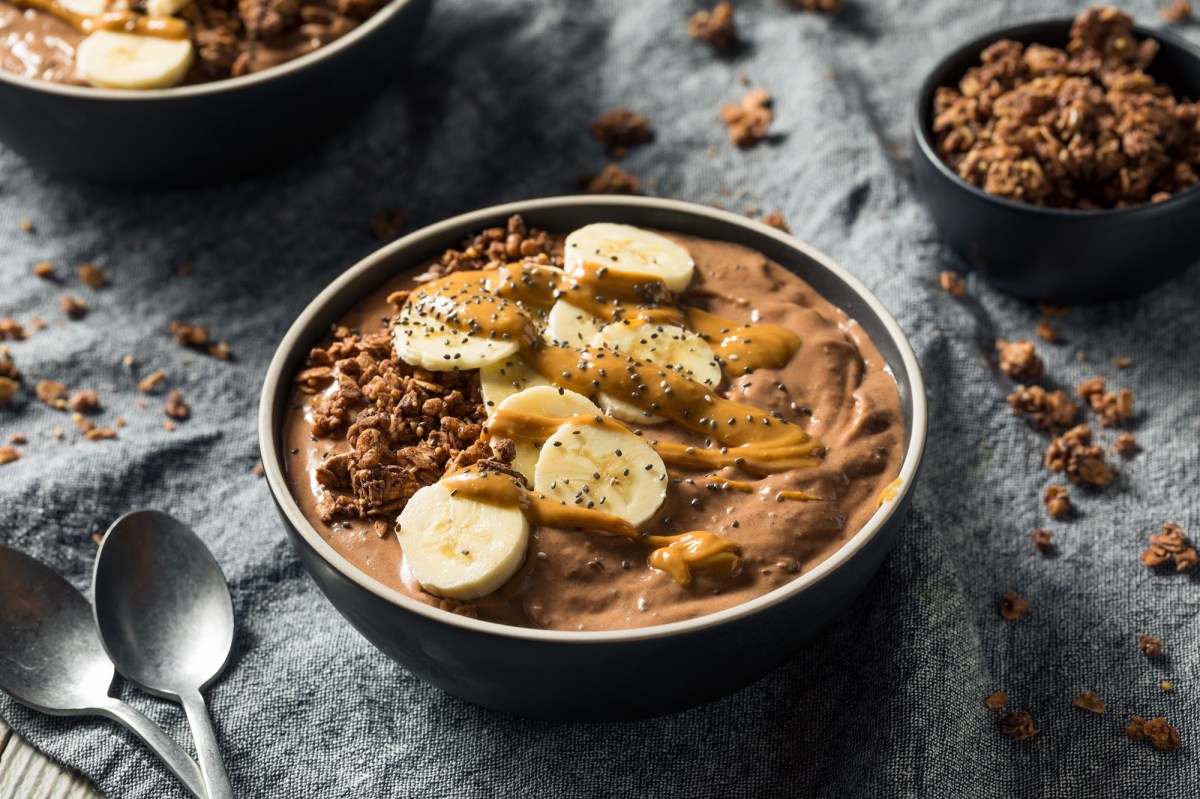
(51, 659)
(166, 619)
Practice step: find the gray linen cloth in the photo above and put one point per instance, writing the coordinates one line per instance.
(889, 701)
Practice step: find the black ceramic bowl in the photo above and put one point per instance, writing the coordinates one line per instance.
(205, 133)
(588, 675)
(1051, 255)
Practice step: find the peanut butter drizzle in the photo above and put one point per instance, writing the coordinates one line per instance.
(118, 21)
(677, 555)
(744, 347)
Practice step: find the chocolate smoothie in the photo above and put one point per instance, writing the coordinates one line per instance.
(835, 389)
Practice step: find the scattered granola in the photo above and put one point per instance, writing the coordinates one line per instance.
(92, 276)
(100, 434)
(1150, 645)
(185, 270)
(492, 248)
(189, 335)
(775, 219)
(73, 307)
(1163, 736)
(1013, 606)
(1074, 453)
(386, 225)
(44, 270)
(258, 470)
(152, 381)
(1046, 331)
(1177, 12)
(1017, 724)
(1170, 546)
(18, 438)
(611, 180)
(996, 700)
(1088, 700)
(1110, 408)
(1122, 363)
(51, 393)
(952, 284)
(822, 6)
(1085, 127)
(618, 129)
(11, 328)
(169, 426)
(1058, 501)
(9, 454)
(1125, 445)
(1019, 360)
(749, 119)
(176, 408)
(715, 27)
(1047, 409)
(221, 351)
(8, 389)
(1167, 686)
(1041, 540)
(27, 226)
(84, 402)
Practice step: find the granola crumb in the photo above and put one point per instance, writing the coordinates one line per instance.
(1017, 724)
(185, 270)
(1046, 331)
(1083, 462)
(1093, 385)
(611, 180)
(1041, 540)
(387, 224)
(176, 408)
(9, 454)
(1013, 606)
(37, 323)
(169, 426)
(84, 402)
(716, 27)
(1170, 547)
(1125, 445)
(151, 382)
(1177, 12)
(97, 538)
(8, 389)
(100, 434)
(1090, 701)
(11, 328)
(996, 700)
(1123, 363)
(73, 307)
(775, 219)
(221, 351)
(51, 393)
(1167, 686)
(44, 270)
(129, 361)
(27, 226)
(952, 283)
(618, 129)
(18, 438)
(57, 432)
(1049, 410)
(1150, 645)
(189, 335)
(258, 470)
(119, 421)
(1019, 360)
(821, 6)
(1163, 736)
(749, 119)
(92, 276)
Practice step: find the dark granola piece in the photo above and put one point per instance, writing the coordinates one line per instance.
(618, 129)
(1058, 501)
(44, 270)
(84, 402)
(1049, 410)
(9, 454)
(749, 118)
(73, 307)
(221, 351)
(1013, 606)
(1017, 724)
(1163, 736)
(1177, 12)
(1019, 360)
(1046, 331)
(189, 335)
(1090, 701)
(497, 246)
(820, 6)
(1169, 547)
(1041, 540)
(611, 180)
(1125, 445)
(1074, 453)
(1112, 409)
(176, 408)
(8, 367)
(8, 389)
(51, 393)
(715, 27)
(952, 283)
(996, 700)
(387, 225)
(11, 328)
(92, 276)
(1150, 645)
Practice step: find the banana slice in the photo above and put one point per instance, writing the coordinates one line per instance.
(547, 400)
(570, 326)
(500, 380)
(422, 340)
(461, 548)
(114, 60)
(602, 469)
(630, 250)
(166, 8)
(88, 8)
(669, 346)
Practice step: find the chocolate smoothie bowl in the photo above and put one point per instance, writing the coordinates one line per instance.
(174, 93)
(532, 447)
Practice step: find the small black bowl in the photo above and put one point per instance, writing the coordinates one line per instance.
(1047, 254)
(205, 133)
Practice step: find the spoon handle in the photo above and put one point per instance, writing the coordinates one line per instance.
(216, 781)
(176, 759)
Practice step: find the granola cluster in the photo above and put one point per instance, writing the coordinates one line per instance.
(749, 119)
(618, 129)
(1074, 454)
(1161, 735)
(497, 246)
(1170, 548)
(715, 27)
(1083, 127)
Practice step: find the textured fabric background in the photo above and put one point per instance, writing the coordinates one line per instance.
(887, 703)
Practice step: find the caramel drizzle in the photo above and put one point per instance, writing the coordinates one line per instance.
(118, 21)
(678, 555)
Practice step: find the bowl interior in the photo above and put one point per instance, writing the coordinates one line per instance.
(561, 215)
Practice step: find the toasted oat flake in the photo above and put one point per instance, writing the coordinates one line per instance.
(996, 700)
(152, 381)
(952, 283)
(100, 434)
(1088, 700)
(84, 402)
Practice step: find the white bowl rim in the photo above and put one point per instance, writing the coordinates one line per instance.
(376, 20)
(296, 336)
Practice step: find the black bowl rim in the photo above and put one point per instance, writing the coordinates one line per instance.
(377, 20)
(936, 78)
(277, 380)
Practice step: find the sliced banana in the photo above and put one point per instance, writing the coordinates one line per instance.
(670, 346)
(547, 400)
(571, 326)
(630, 250)
(166, 8)
(602, 469)
(461, 548)
(500, 380)
(88, 8)
(422, 340)
(114, 60)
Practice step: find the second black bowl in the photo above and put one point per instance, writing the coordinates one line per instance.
(1048, 254)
